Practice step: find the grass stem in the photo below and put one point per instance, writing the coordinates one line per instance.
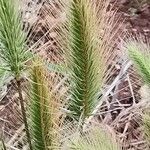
(24, 112)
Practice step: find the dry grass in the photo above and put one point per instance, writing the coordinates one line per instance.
(121, 104)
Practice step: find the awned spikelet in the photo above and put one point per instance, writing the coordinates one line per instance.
(42, 107)
(139, 52)
(87, 42)
(84, 68)
(13, 51)
(95, 138)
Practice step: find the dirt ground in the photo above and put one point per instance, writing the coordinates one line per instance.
(136, 14)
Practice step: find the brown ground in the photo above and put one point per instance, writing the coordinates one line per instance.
(137, 15)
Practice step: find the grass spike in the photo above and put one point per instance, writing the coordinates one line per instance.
(87, 40)
(95, 138)
(139, 52)
(13, 52)
(42, 112)
(83, 61)
(12, 39)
